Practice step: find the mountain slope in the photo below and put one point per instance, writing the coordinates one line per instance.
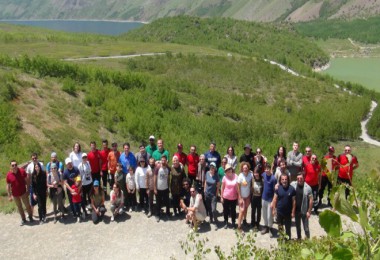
(148, 10)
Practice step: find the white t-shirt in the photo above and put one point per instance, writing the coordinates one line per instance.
(162, 178)
(197, 202)
(245, 184)
(30, 167)
(85, 173)
(130, 181)
(141, 177)
(76, 158)
(116, 200)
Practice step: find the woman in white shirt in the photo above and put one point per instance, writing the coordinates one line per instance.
(141, 187)
(76, 155)
(85, 174)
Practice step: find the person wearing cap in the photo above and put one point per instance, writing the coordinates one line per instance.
(104, 167)
(161, 186)
(331, 166)
(152, 145)
(294, 162)
(54, 159)
(69, 175)
(177, 175)
(141, 176)
(55, 185)
(182, 157)
(347, 164)
(212, 155)
(76, 197)
(113, 159)
(142, 154)
(229, 196)
(17, 180)
(304, 205)
(97, 203)
(76, 154)
(312, 178)
(127, 158)
(192, 161)
(211, 191)
(247, 156)
(231, 157)
(95, 161)
(160, 151)
(85, 174)
(39, 189)
(244, 186)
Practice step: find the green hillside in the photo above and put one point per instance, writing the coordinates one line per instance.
(145, 10)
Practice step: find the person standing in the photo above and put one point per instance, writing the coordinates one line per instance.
(149, 183)
(269, 182)
(201, 174)
(231, 157)
(304, 205)
(127, 159)
(347, 164)
(247, 156)
(69, 175)
(331, 165)
(192, 163)
(76, 154)
(160, 150)
(39, 189)
(152, 145)
(230, 195)
(55, 185)
(244, 190)
(256, 199)
(142, 154)
(54, 159)
(161, 187)
(141, 175)
(306, 159)
(212, 155)
(259, 160)
(130, 181)
(104, 167)
(29, 172)
(177, 175)
(120, 180)
(86, 178)
(312, 178)
(17, 189)
(284, 202)
(211, 191)
(182, 157)
(294, 162)
(113, 159)
(95, 161)
(278, 157)
(116, 201)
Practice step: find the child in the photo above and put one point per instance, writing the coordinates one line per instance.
(131, 189)
(77, 198)
(120, 179)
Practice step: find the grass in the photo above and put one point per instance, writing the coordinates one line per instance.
(357, 70)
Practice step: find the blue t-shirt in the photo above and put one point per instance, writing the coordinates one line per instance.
(211, 183)
(268, 190)
(70, 175)
(285, 200)
(213, 157)
(127, 161)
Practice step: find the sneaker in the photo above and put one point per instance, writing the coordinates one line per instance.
(264, 231)
(245, 223)
(44, 219)
(130, 210)
(157, 219)
(41, 222)
(112, 219)
(78, 219)
(55, 220)
(121, 211)
(83, 215)
(23, 222)
(149, 214)
(88, 207)
(225, 225)
(271, 233)
(31, 219)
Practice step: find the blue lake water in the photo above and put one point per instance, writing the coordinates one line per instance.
(99, 27)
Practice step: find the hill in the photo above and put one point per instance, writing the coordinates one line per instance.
(145, 10)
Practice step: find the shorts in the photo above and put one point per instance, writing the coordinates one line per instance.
(245, 204)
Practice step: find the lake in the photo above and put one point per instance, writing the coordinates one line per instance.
(83, 26)
(365, 71)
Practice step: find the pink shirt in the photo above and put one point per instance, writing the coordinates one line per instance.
(230, 188)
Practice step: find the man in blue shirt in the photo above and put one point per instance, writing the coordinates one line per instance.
(70, 173)
(284, 201)
(213, 156)
(127, 158)
(269, 183)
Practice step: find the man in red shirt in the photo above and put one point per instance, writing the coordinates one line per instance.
(93, 158)
(347, 164)
(104, 168)
(182, 157)
(332, 165)
(192, 163)
(112, 159)
(17, 190)
(307, 157)
(312, 178)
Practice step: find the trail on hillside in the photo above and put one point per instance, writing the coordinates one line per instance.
(366, 138)
(114, 57)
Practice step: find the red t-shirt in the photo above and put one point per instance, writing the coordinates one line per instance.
(93, 158)
(334, 163)
(104, 156)
(346, 169)
(192, 164)
(17, 182)
(182, 157)
(312, 174)
(76, 198)
(305, 160)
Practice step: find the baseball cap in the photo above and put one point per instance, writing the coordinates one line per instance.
(228, 166)
(213, 165)
(53, 155)
(84, 155)
(96, 183)
(68, 160)
(151, 137)
(247, 146)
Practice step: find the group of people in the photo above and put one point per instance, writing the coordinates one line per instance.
(291, 187)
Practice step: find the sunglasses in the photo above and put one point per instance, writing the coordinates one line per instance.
(13, 165)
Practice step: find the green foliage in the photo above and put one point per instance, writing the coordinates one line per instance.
(331, 223)
(361, 30)
(69, 86)
(247, 38)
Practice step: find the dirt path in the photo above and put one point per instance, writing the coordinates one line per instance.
(134, 237)
(366, 138)
(114, 57)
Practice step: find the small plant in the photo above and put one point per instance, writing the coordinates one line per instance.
(69, 86)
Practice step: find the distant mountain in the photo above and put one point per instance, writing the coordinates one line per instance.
(148, 10)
